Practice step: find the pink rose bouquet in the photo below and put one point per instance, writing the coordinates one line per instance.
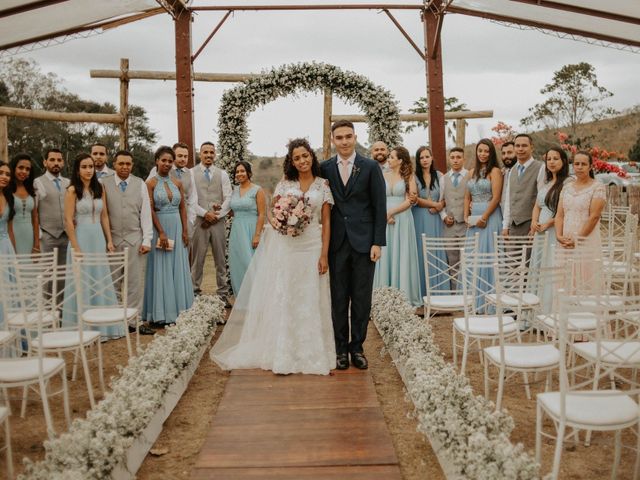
(290, 215)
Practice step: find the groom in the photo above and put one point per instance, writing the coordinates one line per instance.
(358, 226)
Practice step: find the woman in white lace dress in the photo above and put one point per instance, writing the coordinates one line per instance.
(281, 320)
(577, 224)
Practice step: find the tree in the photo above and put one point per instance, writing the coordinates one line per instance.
(451, 104)
(634, 152)
(24, 85)
(574, 96)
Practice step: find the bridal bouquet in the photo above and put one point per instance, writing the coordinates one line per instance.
(291, 215)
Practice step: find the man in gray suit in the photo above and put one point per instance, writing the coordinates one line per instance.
(522, 188)
(50, 189)
(214, 194)
(99, 157)
(131, 225)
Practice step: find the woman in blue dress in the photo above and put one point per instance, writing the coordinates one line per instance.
(87, 225)
(426, 217)
(544, 214)
(6, 214)
(482, 211)
(248, 204)
(168, 287)
(25, 226)
(398, 265)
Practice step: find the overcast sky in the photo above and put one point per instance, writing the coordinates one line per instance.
(486, 65)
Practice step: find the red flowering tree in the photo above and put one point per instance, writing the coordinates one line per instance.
(503, 133)
(599, 155)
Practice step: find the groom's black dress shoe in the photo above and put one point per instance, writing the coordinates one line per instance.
(342, 361)
(358, 360)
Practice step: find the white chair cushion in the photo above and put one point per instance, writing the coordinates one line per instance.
(62, 339)
(18, 319)
(6, 336)
(577, 322)
(612, 301)
(4, 414)
(485, 325)
(448, 302)
(24, 369)
(107, 314)
(633, 316)
(611, 351)
(527, 300)
(598, 408)
(526, 355)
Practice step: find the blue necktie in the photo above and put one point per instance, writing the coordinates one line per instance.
(207, 175)
(101, 174)
(123, 186)
(179, 173)
(57, 182)
(456, 179)
(520, 170)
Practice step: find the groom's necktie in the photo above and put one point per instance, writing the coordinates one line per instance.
(344, 171)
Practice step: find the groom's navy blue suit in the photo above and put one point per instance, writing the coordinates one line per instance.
(358, 221)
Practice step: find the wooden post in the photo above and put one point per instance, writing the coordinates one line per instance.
(124, 103)
(435, 91)
(4, 139)
(326, 123)
(184, 81)
(461, 127)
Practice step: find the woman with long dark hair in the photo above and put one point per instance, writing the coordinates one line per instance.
(426, 215)
(7, 211)
(86, 222)
(399, 265)
(25, 225)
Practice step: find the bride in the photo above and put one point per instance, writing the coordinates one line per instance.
(281, 320)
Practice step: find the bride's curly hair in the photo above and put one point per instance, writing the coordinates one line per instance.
(290, 171)
(406, 167)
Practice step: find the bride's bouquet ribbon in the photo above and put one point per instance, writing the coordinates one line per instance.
(291, 214)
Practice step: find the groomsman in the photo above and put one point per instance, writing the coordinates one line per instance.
(184, 174)
(522, 188)
(508, 156)
(214, 194)
(131, 225)
(380, 153)
(99, 157)
(455, 184)
(50, 189)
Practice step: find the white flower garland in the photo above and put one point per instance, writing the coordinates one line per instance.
(474, 436)
(94, 446)
(378, 104)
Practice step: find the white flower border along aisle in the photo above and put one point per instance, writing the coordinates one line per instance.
(116, 435)
(377, 103)
(469, 437)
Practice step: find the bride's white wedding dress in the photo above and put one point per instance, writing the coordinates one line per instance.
(281, 320)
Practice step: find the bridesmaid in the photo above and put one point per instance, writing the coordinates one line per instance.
(26, 228)
(6, 214)
(248, 203)
(426, 216)
(86, 222)
(168, 287)
(398, 265)
(482, 210)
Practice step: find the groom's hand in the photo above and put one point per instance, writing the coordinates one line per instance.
(375, 253)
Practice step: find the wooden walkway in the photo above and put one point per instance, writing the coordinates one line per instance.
(298, 427)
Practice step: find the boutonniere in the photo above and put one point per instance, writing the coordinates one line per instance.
(355, 171)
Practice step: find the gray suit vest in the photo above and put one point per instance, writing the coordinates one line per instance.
(209, 193)
(51, 209)
(454, 197)
(124, 209)
(185, 179)
(522, 192)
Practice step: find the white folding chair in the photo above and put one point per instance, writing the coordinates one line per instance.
(114, 270)
(443, 285)
(4, 420)
(588, 404)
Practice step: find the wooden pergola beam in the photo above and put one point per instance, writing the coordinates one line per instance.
(421, 117)
(76, 117)
(164, 75)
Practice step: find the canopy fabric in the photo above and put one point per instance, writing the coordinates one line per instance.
(28, 21)
(615, 21)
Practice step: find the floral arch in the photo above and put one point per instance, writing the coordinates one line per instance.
(377, 103)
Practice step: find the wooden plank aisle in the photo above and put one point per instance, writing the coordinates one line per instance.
(298, 426)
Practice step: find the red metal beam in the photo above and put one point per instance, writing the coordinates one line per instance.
(7, 12)
(335, 6)
(184, 81)
(206, 42)
(406, 35)
(581, 10)
(435, 85)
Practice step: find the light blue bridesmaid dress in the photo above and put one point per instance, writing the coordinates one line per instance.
(5, 247)
(22, 225)
(168, 288)
(398, 266)
(90, 239)
(245, 218)
(480, 190)
(432, 226)
(537, 260)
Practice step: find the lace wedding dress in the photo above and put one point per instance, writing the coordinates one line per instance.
(281, 320)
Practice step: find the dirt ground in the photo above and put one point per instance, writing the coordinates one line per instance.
(185, 430)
